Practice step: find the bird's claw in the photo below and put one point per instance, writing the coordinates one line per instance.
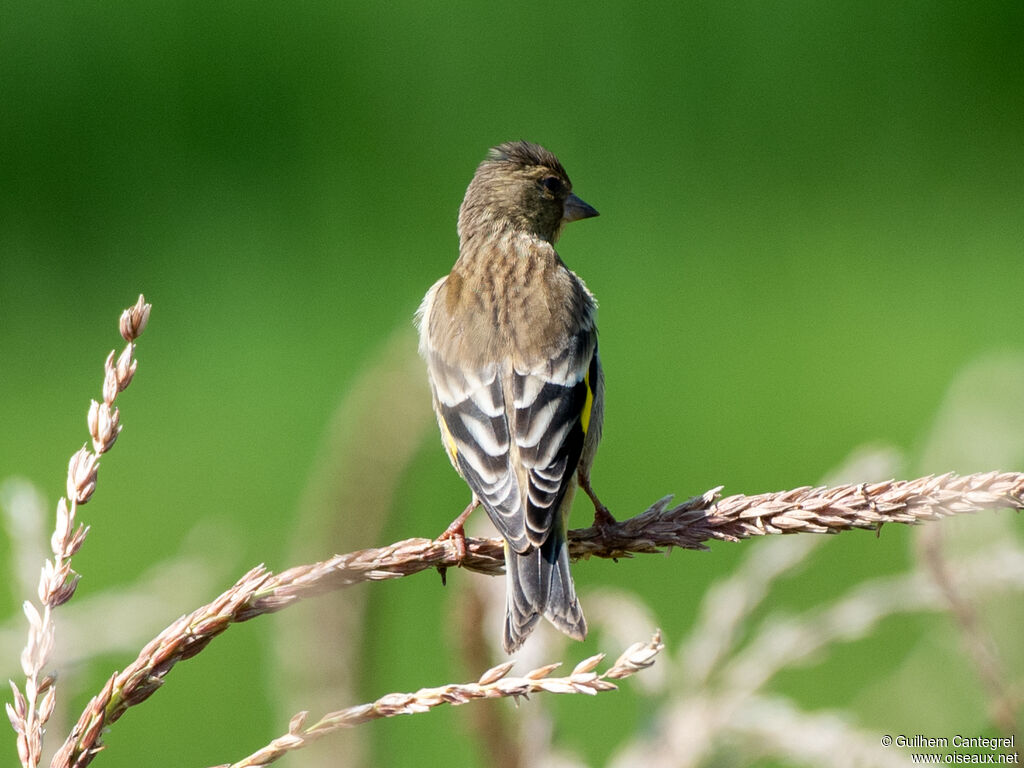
(457, 533)
(603, 519)
(458, 536)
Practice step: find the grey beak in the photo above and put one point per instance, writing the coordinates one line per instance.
(576, 209)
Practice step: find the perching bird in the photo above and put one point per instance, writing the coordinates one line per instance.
(510, 341)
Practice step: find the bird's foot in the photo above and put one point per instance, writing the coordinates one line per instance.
(603, 519)
(457, 532)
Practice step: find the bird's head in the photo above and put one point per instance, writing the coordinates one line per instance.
(522, 185)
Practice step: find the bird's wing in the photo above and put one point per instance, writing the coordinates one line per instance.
(471, 411)
(551, 405)
(516, 433)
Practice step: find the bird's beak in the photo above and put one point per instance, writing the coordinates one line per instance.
(576, 209)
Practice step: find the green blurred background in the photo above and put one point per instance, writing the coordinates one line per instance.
(811, 220)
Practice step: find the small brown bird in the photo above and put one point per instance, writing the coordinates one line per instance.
(510, 341)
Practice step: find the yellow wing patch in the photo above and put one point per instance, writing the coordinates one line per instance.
(587, 404)
(449, 441)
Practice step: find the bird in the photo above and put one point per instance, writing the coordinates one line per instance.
(509, 337)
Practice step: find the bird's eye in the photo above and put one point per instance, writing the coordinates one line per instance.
(552, 184)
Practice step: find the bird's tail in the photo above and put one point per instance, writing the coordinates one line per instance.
(539, 584)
